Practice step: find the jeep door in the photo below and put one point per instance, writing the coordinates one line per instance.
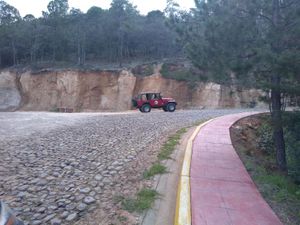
(156, 101)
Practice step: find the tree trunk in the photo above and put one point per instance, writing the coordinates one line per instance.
(121, 43)
(78, 52)
(276, 99)
(277, 124)
(14, 52)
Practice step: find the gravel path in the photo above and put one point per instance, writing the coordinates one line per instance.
(61, 168)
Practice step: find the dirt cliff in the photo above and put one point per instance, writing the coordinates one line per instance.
(108, 91)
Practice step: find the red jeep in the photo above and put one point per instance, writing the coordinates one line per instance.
(145, 101)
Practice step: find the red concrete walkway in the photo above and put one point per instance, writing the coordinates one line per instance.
(222, 192)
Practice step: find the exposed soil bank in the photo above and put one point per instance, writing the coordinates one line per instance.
(108, 91)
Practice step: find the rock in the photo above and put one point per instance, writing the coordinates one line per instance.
(98, 177)
(22, 194)
(106, 180)
(61, 204)
(94, 183)
(70, 206)
(68, 168)
(118, 168)
(82, 207)
(36, 222)
(41, 209)
(79, 197)
(85, 190)
(56, 174)
(89, 200)
(52, 207)
(64, 215)
(23, 187)
(98, 190)
(42, 182)
(71, 217)
(49, 217)
(55, 221)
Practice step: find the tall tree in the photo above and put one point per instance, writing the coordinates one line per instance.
(9, 16)
(78, 33)
(122, 14)
(55, 18)
(70, 36)
(257, 40)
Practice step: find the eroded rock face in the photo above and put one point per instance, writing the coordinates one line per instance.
(108, 91)
(10, 97)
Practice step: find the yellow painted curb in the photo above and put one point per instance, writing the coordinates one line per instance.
(183, 214)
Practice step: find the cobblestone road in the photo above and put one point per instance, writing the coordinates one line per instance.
(62, 168)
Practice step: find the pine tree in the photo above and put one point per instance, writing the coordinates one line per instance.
(257, 40)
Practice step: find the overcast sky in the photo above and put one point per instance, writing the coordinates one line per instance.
(36, 7)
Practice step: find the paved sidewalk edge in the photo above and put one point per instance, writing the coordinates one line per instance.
(183, 203)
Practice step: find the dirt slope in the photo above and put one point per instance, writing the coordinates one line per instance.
(108, 91)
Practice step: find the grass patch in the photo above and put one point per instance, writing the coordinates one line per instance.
(154, 170)
(143, 201)
(282, 187)
(168, 148)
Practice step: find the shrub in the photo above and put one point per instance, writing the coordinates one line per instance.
(265, 139)
(143, 201)
(291, 121)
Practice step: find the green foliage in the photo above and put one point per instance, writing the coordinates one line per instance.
(284, 187)
(265, 138)
(57, 8)
(54, 109)
(118, 34)
(278, 189)
(291, 122)
(170, 145)
(154, 170)
(145, 198)
(8, 14)
(240, 36)
(182, 73)
(144, 70)
(252, 42)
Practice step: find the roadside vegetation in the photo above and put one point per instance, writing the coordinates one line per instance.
(144, 199)
(253, 140)
(179, 71)
(169, 147)
(241, 42)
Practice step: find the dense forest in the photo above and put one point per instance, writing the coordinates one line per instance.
(117, 34)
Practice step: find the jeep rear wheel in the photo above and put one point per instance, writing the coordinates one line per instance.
(146, 108)
(171, 107)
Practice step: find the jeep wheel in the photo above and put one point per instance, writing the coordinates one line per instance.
(165, 109)
(146, 108)
(140, 109)
(171, 107)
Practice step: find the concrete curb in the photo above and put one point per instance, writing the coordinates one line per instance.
(183, 203)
